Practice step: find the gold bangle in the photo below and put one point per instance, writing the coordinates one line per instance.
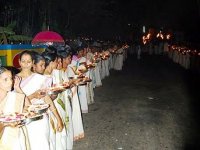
(53, 109)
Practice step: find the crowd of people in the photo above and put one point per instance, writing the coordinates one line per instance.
(188, 58)
(64, 81)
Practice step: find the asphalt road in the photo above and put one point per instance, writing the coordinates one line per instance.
(151, 105)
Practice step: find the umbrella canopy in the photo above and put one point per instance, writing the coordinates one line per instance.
(48, 36)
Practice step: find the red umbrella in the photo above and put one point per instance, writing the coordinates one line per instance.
(47, 36)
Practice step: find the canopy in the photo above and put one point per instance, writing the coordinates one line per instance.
(48, 36)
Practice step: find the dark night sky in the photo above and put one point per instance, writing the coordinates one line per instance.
(110, 17)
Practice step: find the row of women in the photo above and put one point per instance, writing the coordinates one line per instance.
(149, 48)
(180, 58)
(187, 58)
(62, 124)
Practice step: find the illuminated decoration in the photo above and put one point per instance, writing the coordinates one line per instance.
(168, 36)
(185, 50)
(146, 38)
(160, 35)
(153, 35)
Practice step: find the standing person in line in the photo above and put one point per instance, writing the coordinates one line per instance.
(58, 140)
(31, 85)
(78, 61)
(139, 52)
(13, 136)
(74, 111)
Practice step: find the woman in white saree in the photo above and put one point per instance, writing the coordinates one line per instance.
(82, 91)
(13, 137)
(60, 140)
(119, 59)
(89, 74)
(67, 72)
(106, 61)
(31, 85)
(97, 78)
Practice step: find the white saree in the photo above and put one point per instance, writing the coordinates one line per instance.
(97, 77)
(107, 73)
(61, 138)
(103, 69)
(13, 138)
(119, 60)
(89, 86)
(81, 89)
(38, 131)
(78, 131)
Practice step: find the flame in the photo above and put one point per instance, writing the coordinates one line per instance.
(144, 40)
(148, 36)
(185, 50)
(160, 35)
(168, 36)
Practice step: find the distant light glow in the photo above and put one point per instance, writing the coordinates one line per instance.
(143, 29)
